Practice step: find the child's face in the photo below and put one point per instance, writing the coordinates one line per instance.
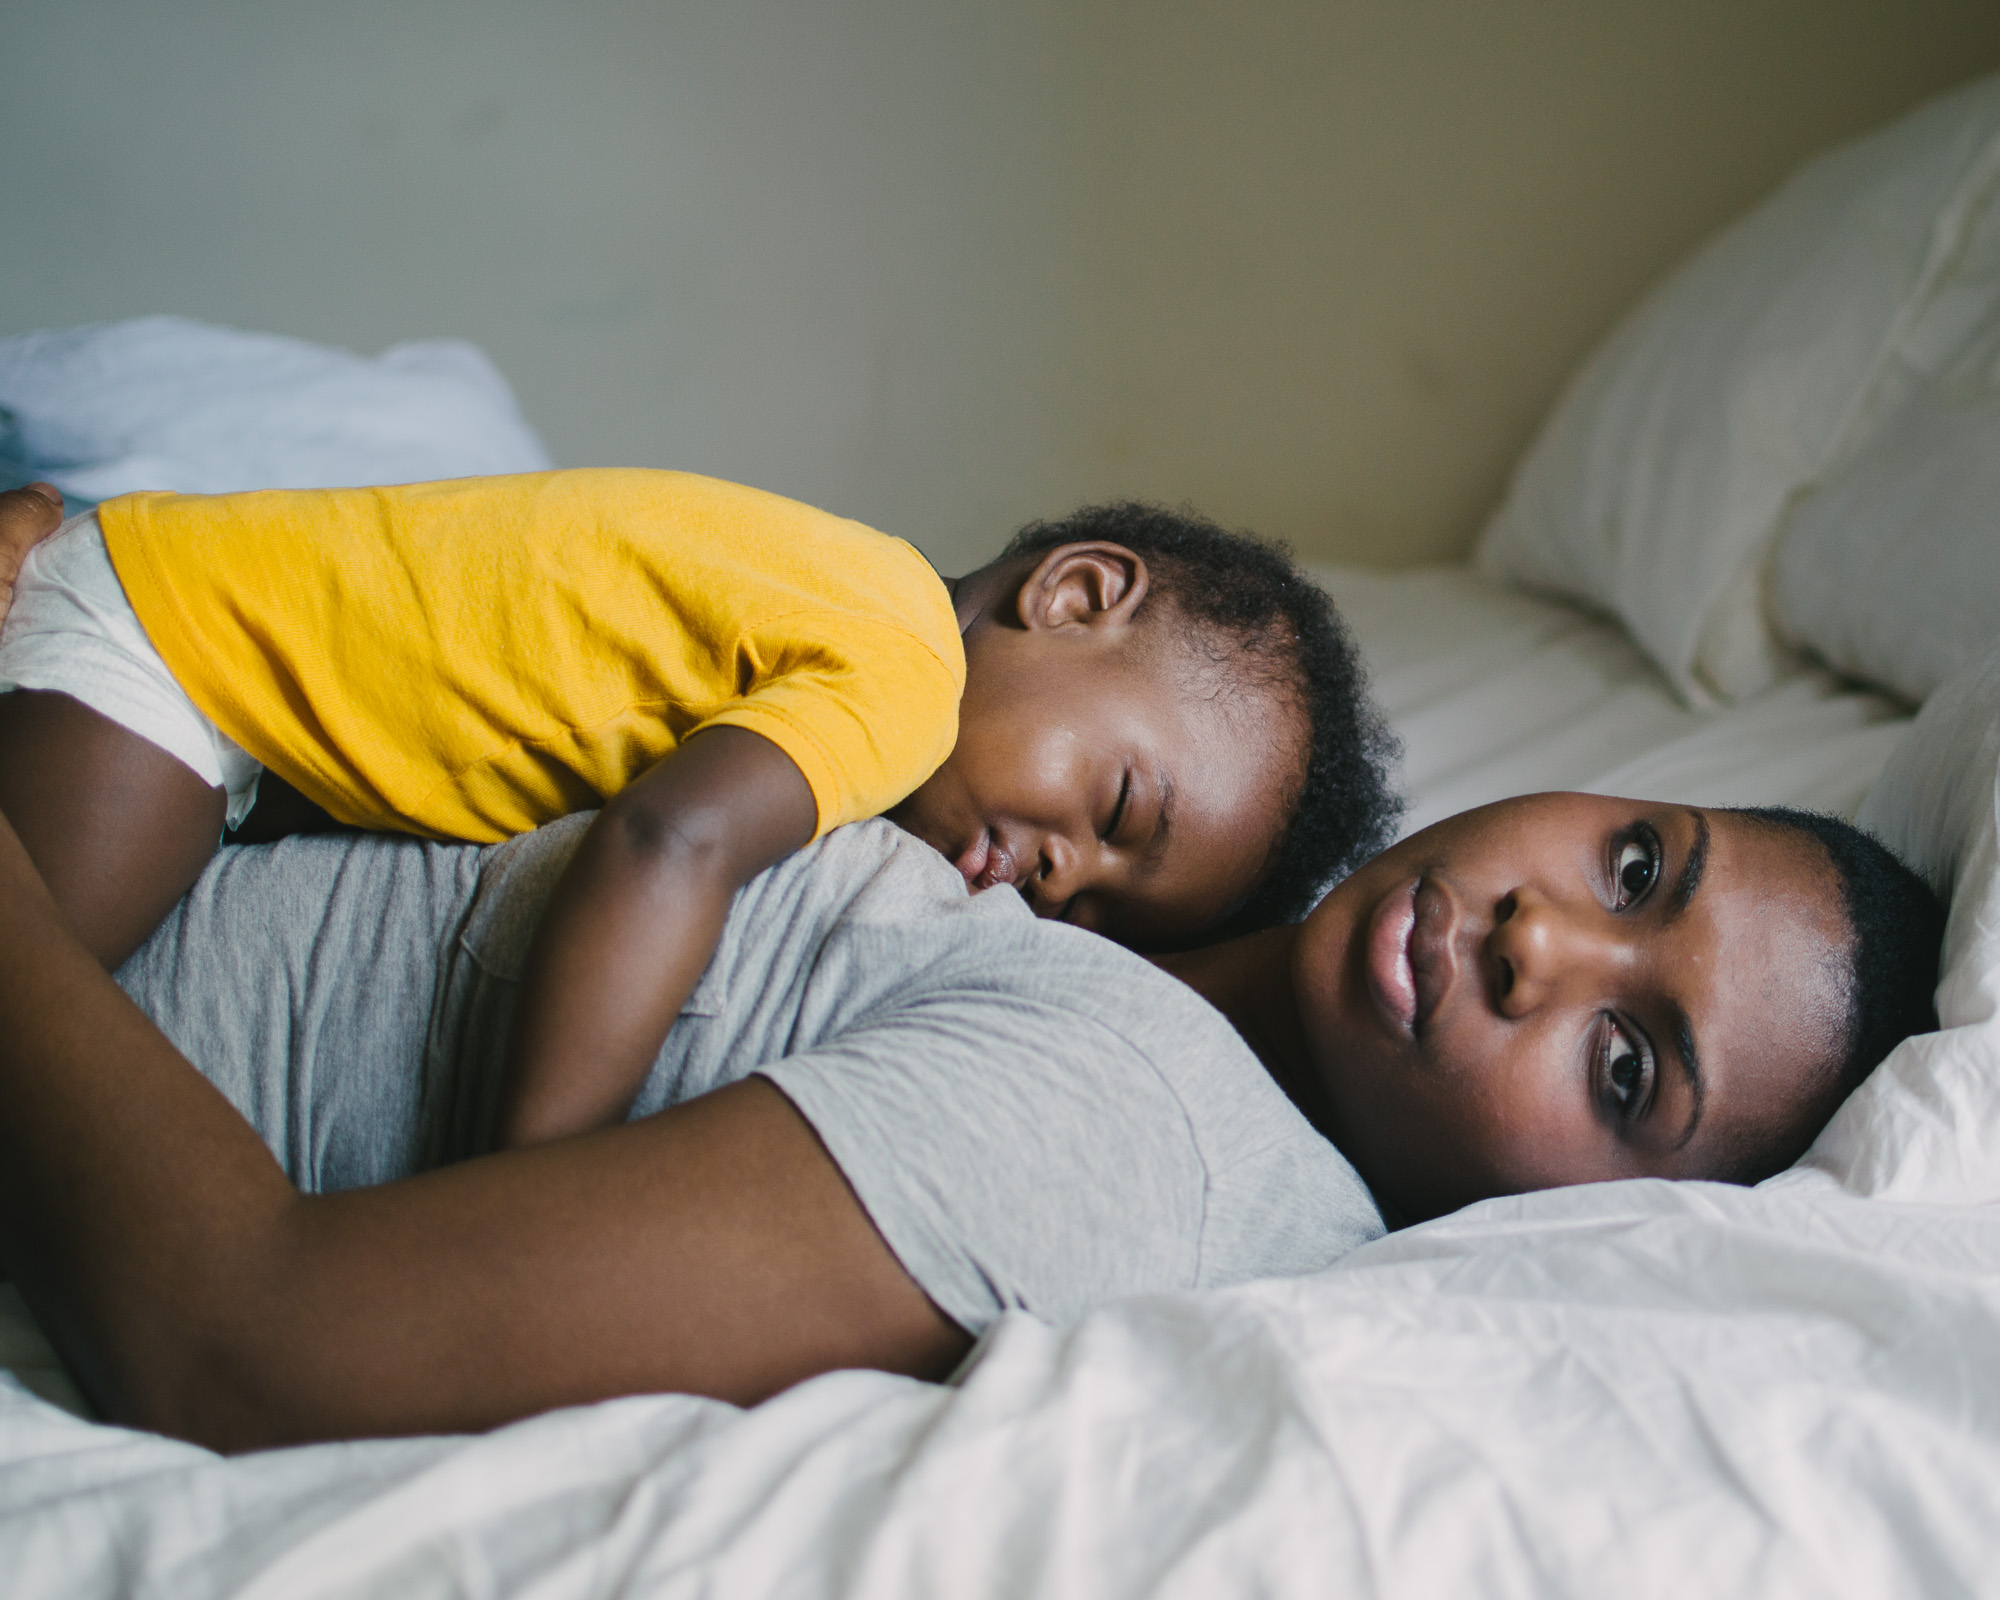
(1113, 784)
(1566, 988)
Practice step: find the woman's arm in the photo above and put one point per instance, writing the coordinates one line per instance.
(714, 1249)
(634, 921)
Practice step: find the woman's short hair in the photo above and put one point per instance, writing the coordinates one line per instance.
(1896, 938)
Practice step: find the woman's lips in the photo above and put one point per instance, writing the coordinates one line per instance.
(1391, 983)
(1433, 950)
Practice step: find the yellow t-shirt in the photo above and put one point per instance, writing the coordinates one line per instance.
(469, 660)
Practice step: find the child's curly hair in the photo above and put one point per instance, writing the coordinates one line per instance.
(1258, 611)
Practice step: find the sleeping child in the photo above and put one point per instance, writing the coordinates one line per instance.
(1148, 726)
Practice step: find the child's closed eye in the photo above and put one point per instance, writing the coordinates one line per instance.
(1110, 827)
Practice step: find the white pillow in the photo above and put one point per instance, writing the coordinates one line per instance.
(1658, 481)
(1926, 1124)
(169, 403)
(1890, 567)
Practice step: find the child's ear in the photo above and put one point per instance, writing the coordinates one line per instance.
(1082, 584)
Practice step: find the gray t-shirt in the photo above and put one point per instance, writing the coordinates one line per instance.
(1032, 1116)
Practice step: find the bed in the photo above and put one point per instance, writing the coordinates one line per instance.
(1629, 1389)
(1691, 1387)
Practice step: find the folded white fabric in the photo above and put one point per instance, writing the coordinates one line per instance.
(1890, 567)
(1926, 1124)
(169, 403)
(1659, 481)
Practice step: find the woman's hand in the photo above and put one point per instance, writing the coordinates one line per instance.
(634, 922)
(713, 1249)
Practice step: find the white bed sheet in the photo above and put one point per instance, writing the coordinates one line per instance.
(1632, 1389)
(1497, 692)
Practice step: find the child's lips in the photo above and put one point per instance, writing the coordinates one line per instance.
(985, 862)
(973, 861)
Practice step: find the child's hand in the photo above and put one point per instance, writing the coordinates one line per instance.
(634, 921)
(28, 515)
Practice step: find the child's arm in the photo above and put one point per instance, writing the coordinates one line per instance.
(634, 921)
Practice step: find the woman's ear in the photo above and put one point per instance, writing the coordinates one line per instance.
(1087, 585)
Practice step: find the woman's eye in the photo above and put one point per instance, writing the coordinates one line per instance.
(1637, 866)
(1625, 1072)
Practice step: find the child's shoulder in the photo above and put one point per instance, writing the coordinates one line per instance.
(760, 552)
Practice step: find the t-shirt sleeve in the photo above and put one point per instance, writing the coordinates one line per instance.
(1292, 1206)
(1029, 1160)
(865, 709)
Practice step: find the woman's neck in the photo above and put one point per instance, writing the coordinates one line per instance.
(1249, 980)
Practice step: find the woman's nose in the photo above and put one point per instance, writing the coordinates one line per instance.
(1539, 949)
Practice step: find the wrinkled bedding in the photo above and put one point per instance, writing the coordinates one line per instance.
(1641, 1389)
(1498, 692)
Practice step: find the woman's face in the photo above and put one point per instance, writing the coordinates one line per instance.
(1566, 988)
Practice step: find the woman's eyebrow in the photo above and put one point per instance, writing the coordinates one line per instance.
(1680, 1032)
(1680, 1035)
(1692, 868)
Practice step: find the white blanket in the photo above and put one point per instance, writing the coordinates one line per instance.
(1641, 1389)
(170, 403)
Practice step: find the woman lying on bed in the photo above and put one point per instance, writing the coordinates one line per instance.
(889, 1113)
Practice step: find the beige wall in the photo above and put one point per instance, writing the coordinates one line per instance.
(1349, 251)
(1316, 267)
